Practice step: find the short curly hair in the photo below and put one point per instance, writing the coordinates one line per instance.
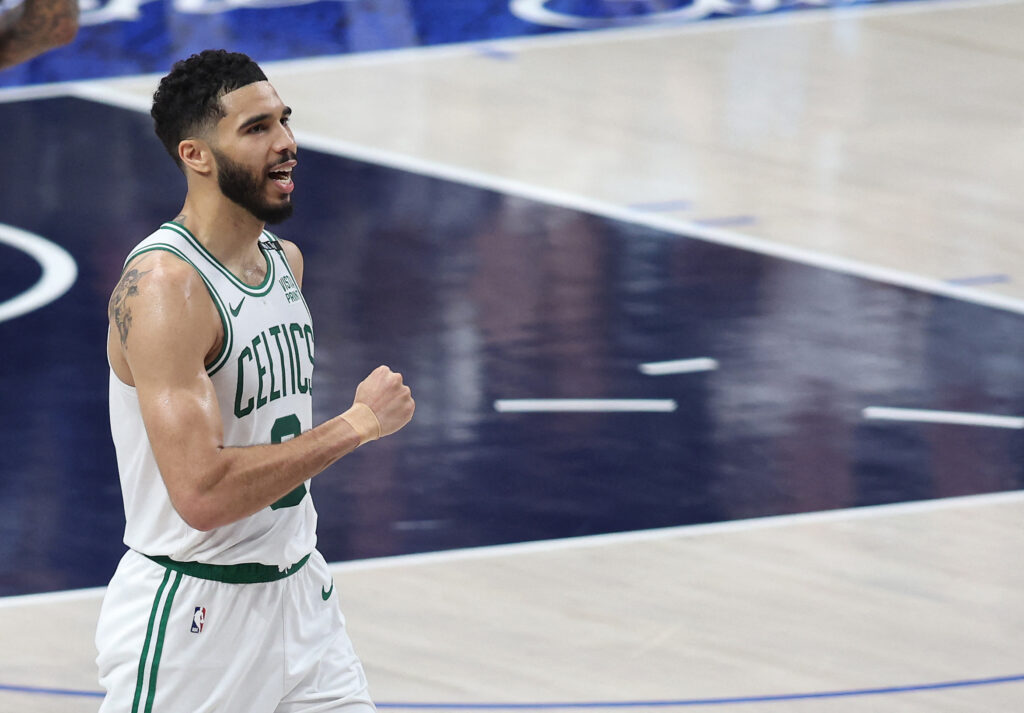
(187, 101)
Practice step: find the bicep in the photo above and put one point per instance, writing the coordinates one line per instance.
(183, 422)
(167, 325)
(183, 425)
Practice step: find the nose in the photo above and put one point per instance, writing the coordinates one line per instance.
(284, 141)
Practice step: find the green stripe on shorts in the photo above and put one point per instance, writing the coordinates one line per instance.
(165, 613)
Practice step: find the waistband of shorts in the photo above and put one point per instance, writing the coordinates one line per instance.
(247, 573)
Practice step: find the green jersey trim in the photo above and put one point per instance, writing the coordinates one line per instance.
(254, 290)
(225, 348)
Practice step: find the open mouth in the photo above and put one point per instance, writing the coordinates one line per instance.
(282, 176)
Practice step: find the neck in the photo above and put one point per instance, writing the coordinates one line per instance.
(227, 230)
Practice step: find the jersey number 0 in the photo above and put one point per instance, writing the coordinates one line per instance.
(285, 428)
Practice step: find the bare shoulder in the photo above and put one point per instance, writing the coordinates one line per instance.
(155, 274)
(294, 256)
(163, 289)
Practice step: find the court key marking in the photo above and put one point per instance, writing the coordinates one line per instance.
(59, 271)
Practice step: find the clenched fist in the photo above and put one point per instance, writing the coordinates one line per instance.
(387, 396)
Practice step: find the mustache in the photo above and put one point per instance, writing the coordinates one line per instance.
(290, 156)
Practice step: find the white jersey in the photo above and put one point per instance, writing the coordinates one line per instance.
(263, 380)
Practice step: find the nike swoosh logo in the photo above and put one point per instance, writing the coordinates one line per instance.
(236, 310)
(326, 593)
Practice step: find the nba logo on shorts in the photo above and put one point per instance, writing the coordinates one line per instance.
(197, 620)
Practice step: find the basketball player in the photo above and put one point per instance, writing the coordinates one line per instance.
(222, 603)
(30, 27)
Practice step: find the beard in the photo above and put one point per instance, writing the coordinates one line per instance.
(241, 186)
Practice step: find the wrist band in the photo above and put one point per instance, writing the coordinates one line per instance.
(362, 418)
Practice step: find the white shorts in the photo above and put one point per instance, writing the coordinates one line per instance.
(170, 642)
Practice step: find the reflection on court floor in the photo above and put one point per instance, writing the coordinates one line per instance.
(482, 299)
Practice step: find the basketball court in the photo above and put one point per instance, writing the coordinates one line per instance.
(713, 317)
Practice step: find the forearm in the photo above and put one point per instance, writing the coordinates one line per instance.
(212, 485)
(43, 25)
(241, 481)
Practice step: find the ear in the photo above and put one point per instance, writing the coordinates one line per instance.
(196, 155)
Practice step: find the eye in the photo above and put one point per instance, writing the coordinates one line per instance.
(257, 128)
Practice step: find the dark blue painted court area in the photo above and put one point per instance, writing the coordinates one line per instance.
(477, 296)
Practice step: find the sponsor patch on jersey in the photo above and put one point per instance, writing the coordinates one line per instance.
(291, 290)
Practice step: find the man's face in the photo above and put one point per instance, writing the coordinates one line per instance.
(255, 152)
(247, 188)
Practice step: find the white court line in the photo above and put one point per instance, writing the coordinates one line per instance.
(672, 226)
(59, 271)
(615, 538)
(86, 87)
(684, 531)
(97, 91)
(678, 366)
(584, 405)
(103, 94)
(37, 91)
(949, 417)
(71, 595)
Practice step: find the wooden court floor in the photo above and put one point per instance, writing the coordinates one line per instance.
(887, 142)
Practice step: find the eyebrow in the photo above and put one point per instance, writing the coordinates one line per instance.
(286, 112)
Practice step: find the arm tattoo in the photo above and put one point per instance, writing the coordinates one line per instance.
(119, 311)
(43, 25)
